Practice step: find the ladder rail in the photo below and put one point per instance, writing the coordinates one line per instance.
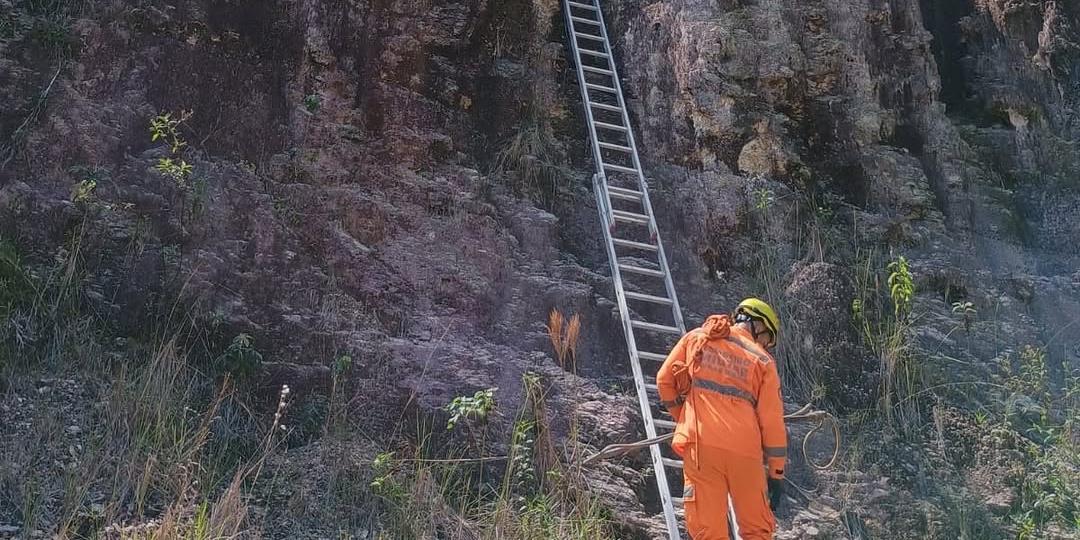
(603, 194)
(643, 186)
(603, 198)
(659, 468)
(605, 217)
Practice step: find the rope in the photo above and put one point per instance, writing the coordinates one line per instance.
(619, 450)
(821, 416)
(803, 414)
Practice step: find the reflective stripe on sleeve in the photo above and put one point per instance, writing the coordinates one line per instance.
(776, 451)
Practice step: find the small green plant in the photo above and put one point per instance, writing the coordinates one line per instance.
(1026, 527)
(885, 332)
(240, 358)
(342, 365)
(86, 173)
(521, 450)
(763, 199)
(167, 129)
(385, 483)
(1031, 379)
(541, 493)
(82, 191)
(312, 103)
(476, 407)
(857, 308)
(178, 169)
(1048, 492)
(901, 287)
(336, 408)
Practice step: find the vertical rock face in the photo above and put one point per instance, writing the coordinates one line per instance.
(340, 200)
(904, 123)
(335, 194)
(806, 144)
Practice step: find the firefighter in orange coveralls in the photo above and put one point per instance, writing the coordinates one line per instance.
(721, 386)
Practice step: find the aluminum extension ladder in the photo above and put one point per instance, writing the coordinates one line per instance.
(630, 234)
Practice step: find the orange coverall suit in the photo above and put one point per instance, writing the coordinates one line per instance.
(724, 392)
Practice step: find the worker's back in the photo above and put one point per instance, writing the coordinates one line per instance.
(723, 389)
(731, 391)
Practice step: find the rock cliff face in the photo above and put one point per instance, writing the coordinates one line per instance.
(895, 133)
(405, 183)
(796, 141)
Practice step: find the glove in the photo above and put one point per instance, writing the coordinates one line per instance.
(776, 493)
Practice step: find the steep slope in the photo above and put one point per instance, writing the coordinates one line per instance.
(405, 184)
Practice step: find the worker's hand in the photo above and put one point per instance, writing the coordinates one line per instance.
(776, 493)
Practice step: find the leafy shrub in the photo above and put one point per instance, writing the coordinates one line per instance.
(477, 407)
(1048, 488)
(240, 358)
(312, 103)
(164, 127)
(901, 287)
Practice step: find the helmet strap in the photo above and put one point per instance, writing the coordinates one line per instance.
(742, 316)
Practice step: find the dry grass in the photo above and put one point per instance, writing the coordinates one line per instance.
(146, 468)
(532, 162)
(539, 494)
(564, 335)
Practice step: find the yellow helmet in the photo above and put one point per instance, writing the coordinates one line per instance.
(758, 309)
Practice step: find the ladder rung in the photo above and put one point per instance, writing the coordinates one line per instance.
(579, 19)
(583, 6)
(632, 244)
(598, 54)
(648, 298)
(629, 217)
(609, 146)
(619, 168)
(592, 86)
(589, 36)
(611, 108)
(624, 193)
(651, 387)
(677, 500)
(667, 424)
(672, 463)
(655, 327)
(651, 356)
(606, 125)
(628, 194)
(601, 71)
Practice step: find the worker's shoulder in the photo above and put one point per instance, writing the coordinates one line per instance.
(755, 351)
